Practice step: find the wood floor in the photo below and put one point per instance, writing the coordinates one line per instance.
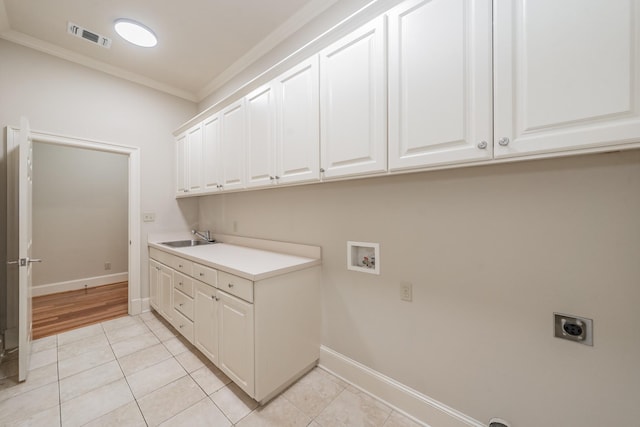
(64, 311)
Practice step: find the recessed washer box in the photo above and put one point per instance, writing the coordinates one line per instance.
(363, 257)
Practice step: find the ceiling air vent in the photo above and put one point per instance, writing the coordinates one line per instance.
(83, 33)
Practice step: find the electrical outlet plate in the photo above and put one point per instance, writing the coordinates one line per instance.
(573, 328)
(148, 217)
(406, 291)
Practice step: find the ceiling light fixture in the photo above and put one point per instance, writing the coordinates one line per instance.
(136, 33)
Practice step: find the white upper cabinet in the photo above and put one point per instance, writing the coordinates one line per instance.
(566, 75)
(181, 165)
(232, 143)
(297, 123)
(194, 159)
(260, 133)
(440, 105)
(211, 160)
(353, 103)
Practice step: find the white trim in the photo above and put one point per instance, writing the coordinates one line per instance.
(307, 50)
(72, 285)
(294, 23)
(59, 52)
(412, 403)
(134, 201)
(145, 304)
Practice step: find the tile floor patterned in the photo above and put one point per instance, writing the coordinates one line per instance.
(135, 371)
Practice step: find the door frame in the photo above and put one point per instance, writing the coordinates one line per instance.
(133, 154)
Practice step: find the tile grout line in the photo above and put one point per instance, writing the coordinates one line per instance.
(127, 381)
(58, 377)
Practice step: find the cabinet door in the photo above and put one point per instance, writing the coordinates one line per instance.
(211, 153)
(566, 75)
(353, 103)
(181, 166)
(439, 83)
(232, 142)
(206, 320)
(236, 345)
(194, 156)
(260, 134)
(154, 273)
(165, 292)
(298, 123)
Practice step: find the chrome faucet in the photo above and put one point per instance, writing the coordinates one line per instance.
(204, 235)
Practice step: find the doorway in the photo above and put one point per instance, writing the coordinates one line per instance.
(133, 220)
(80, 215)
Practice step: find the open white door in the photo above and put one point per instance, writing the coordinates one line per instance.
(21, 148)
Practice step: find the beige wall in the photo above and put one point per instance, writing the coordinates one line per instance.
(491, 252)
(64, 98)
(80, 213)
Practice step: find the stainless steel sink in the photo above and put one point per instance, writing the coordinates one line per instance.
(186, 243)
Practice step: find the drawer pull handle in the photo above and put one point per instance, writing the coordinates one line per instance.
(230, 285)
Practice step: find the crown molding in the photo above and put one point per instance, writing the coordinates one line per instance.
(289, 27)
(51, 49)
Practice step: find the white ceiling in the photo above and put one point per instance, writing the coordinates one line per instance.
(201, 43)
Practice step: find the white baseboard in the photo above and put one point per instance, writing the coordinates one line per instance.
(416, 405)
(146, 304)
(72, 285)
(135, 307)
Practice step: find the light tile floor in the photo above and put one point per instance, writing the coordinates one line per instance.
(135, 371)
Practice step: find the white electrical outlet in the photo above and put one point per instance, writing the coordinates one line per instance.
(149, 217)
(107, 266)
(406, 291)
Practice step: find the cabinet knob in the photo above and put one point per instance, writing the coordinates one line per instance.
(482, 145)
(230, 285)
(321, 170)
(277, 177)
(217, 298)
(201, 274)
(179, 265)
(504, 141)
(272, 178)
(185, 191)
(181, 304)
(181, 326)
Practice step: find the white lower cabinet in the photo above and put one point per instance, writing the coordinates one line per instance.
(236, 341)
(161, 289)
(263, 335)
(206, 320)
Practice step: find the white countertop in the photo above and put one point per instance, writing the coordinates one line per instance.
(247, 262)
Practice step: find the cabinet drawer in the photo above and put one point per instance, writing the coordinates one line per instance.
(183, 304)
(183, 325)
(160, 256)
(205, 274)
(242, 288)
(183, 283)
(182, 265)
